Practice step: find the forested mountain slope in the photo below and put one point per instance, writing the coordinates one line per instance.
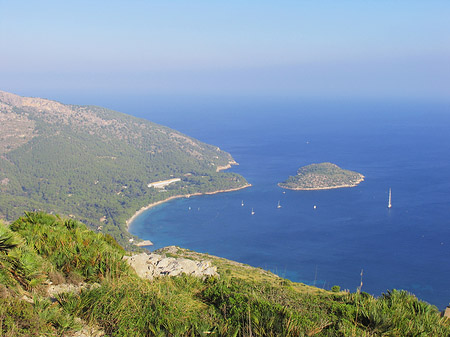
(95, 164)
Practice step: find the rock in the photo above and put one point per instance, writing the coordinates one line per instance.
(89, 331)
(27, 299)
(446, 312)
(144, 243)
(53, 290)
(153, 265)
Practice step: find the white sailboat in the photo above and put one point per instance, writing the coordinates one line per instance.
(253, 212)
(278, 206)
(242, 203)
(389, 203)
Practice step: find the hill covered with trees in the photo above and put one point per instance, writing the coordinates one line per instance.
(95, 164)
(322, 176)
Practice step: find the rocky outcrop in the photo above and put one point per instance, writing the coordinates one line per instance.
(153, 265)
(54, 290)
(446, 312)
(87, 330)
(144, 243)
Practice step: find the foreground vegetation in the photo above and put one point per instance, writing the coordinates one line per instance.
(38, 249)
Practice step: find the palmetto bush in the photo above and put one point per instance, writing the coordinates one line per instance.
(71, 247)
(18, 263)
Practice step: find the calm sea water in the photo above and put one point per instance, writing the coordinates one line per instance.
(402, 146)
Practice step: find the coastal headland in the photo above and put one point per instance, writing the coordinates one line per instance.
(116, 163)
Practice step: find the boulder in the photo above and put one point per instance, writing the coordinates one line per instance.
(153, 265)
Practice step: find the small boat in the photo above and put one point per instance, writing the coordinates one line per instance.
(315, 206)
(278, 206)
(389, 202)
(253, 212)
(242, 203)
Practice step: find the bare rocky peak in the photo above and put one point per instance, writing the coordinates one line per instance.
(52, 112)
(31, 102)
(10, 99)
(19, 115)
(15, 129)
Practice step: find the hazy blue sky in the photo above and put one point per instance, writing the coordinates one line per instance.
(252, 48)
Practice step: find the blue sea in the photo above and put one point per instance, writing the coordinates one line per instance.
(404, 146)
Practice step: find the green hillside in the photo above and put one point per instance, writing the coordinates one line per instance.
(95, 164)
(40, 251)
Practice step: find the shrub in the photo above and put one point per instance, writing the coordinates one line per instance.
(335, 289)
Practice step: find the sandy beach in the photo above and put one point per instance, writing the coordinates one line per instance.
(143, 209)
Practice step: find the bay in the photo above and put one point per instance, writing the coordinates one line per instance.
(400, 145)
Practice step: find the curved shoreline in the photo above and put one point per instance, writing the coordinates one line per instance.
(143, 209)
(323, 188)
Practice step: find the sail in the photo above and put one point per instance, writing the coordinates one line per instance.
(390, 196)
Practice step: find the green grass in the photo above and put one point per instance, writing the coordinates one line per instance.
(243, 301)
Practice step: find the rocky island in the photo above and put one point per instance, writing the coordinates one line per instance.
(322, 176)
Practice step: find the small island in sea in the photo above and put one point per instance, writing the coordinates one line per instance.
(322, 176)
